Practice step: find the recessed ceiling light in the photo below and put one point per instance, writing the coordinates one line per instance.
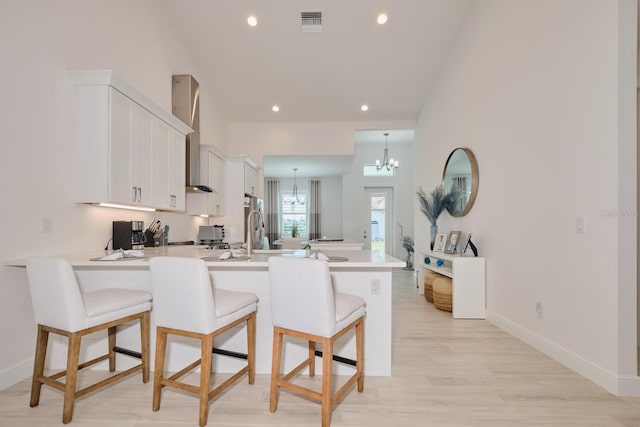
(252, 20)
(364, 107)
(275, 108)
(382, 19)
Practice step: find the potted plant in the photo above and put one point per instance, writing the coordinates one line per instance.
(433, 204)
(294, 230)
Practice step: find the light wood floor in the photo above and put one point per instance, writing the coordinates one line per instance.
(445, 373)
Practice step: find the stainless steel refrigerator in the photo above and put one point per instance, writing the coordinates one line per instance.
(252, 203)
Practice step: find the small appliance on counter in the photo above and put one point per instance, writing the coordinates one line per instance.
(128, 235)
(213, 236)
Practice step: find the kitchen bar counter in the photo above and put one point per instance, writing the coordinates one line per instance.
(363, 273)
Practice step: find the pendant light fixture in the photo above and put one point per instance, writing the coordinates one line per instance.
(386, 161)
(295, 189)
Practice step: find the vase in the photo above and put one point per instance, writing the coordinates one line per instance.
(434, 233)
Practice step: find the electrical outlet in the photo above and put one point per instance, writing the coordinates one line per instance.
(540, 310)
(375, 287)
(46, 225)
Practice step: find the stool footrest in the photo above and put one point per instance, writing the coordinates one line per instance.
(230, 353)
(128, 352)
(339, 358)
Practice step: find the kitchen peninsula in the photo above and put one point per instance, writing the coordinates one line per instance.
(363, 273)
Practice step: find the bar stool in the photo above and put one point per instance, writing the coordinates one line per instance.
(304, 305)
(61, 308)
(186, 304)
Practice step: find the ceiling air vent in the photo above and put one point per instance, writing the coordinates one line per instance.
(311, 22)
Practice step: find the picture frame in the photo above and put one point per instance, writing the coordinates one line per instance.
(452, 242)
(440, 242)
(464, 243)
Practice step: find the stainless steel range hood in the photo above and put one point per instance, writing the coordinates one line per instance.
(186, 106)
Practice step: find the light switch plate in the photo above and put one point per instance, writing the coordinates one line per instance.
(580, 224)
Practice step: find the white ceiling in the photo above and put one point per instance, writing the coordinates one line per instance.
(318, 77)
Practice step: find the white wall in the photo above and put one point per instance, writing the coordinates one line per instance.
(540, 91)
(40, 40)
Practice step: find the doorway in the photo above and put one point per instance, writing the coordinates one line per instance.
(377, 221)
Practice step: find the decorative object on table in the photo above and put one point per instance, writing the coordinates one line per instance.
(452, 242)
(467, 243)
(432, 205)
(407, 244)
(441, 241)
(294, 230)
(440, 263)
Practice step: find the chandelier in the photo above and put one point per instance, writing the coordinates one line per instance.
(386, 161)
(295, 189)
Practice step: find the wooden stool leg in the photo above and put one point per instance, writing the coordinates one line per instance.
(205, 376)
(158, 373)
(275, 369)
(111, 332)
(327, 364)
(144, 345)
(73, 356)
(360, 354)
(312, 358)
(38, 365)
(251, 347)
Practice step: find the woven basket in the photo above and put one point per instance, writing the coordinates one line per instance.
(442, 293)
(428, 285)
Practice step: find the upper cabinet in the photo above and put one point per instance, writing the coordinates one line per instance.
(250, 179)
(212, 174)
(243, 176)
(169, 173)
(129, 151)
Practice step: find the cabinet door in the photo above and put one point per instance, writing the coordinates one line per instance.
(121, 186)
(168, 167)
(141, 170)
(177, 169)
(250, 180)
(218, 182)
(161, 143)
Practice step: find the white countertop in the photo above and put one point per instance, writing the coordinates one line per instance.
(355, 259)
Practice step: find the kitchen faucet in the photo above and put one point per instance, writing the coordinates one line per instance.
(250, 229)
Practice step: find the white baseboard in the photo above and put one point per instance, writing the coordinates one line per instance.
(16, 373)
(613, 383)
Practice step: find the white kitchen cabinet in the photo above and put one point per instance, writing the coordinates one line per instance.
(468, 281)
(169, 172)
(212, 174)
(141, 152)
(128, 150)
(250, 179)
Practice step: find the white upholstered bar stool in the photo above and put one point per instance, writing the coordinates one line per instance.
(61, 308)
(186, 304)
(304, 305)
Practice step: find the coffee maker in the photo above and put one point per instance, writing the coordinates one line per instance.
(128, 235)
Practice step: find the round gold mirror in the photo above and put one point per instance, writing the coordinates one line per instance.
(461, 174)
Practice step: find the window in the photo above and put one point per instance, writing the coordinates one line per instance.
(370, 170)
(295, 213)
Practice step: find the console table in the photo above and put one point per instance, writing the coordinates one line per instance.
(468, 281)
